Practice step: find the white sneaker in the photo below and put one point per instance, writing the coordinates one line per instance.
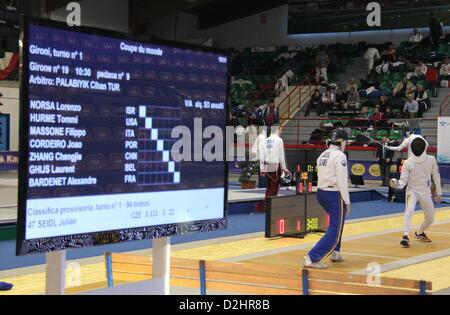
(336, 257)
(309, 264)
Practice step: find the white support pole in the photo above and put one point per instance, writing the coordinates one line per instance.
(55, 277)
(161, 263)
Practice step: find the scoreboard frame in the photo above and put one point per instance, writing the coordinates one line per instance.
(51, 244)
(291, 216)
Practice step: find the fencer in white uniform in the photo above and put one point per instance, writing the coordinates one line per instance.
(272, 155)
(334, 175)
(333, 196)
(273, 162)
(418, 173)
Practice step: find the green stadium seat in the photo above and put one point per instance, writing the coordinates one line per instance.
(395, 135)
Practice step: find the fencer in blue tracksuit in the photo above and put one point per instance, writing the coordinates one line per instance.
(333, 196)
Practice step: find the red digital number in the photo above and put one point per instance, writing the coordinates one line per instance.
(281, 227)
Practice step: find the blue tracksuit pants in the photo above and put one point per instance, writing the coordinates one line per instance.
(333, 204)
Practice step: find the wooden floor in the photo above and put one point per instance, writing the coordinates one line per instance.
(359, 253)
(373, 240)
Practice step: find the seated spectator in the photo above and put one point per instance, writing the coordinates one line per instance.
(403, 88)
(379, 120)
(322, 63)
(271, 114)
(362, 120)
(389, 54)
(315, 102)
(377, 115)
(364, 114)
(329, 99)
(370, 81)
(257, 115)
(421, 97)
(419, 73)
(444, 73)
(416, 37)
(383, 103)
(389, 114)
(353, 99)
(432, 78)
(411, 108)
(341, 99)
(351, 84)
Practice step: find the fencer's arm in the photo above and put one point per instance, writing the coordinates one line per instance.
(340, 163)
(437, 178)
(404, 177)
(399, 148)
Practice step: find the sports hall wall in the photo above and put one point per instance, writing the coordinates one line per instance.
(10, 100)
(251, 32)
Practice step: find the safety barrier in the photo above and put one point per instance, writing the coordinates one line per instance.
(258, 279)
(444, 108)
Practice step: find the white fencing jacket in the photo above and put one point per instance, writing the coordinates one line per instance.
(272, 155)
(417, 174)
(332, 172)
(257, 148)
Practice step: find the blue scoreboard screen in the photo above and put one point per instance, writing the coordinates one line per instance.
(101, 120)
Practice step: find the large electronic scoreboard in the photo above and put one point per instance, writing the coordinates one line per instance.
(102, 117)
(295, 216)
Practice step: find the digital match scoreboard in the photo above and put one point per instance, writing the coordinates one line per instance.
(102, 117)
(294, 216)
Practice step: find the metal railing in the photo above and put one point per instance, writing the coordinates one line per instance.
(295, 99)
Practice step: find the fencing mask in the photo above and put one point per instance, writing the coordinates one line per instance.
(338, 137)
(418, 146)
